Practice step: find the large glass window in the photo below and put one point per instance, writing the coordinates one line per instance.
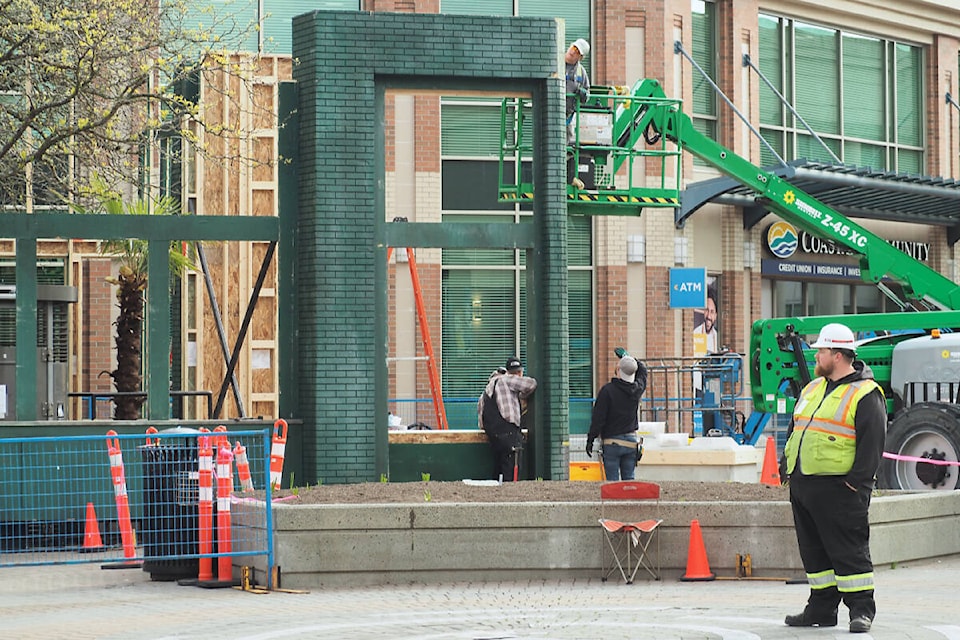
(471, 126)
(861, 94)
(704, 19)
(484, 291)
(791, 298)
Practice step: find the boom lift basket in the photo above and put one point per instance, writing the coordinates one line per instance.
(618, 151)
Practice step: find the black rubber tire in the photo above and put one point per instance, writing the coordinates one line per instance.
(928, 429)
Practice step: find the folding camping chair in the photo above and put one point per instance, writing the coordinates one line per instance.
(630, 544)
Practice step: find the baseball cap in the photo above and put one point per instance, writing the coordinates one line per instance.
(513, 364)
(627, 369)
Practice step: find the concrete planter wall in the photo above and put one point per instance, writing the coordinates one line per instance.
(331, 545)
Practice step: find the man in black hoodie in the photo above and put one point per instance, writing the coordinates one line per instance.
(614, 420)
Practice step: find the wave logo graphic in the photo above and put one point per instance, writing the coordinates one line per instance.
(782, 238)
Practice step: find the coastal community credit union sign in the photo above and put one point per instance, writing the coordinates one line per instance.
(785, 241)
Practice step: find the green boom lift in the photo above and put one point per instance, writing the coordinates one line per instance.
(916, 357)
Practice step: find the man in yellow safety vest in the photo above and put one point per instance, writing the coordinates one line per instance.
(834, 446)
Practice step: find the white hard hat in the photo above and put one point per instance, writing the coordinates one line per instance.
(582, 46)
(835, 336)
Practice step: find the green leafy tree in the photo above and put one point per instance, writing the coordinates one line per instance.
(101, 80)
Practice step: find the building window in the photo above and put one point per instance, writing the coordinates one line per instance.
(704, 19)
(793, 299)
(862, 95)
(484, 304)
(484, 297)
(471, 126)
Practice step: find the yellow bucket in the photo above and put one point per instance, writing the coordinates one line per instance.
(589, 471)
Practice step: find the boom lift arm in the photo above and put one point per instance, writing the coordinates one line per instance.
(779, 366)
(647, 114)
(645, 122)
(877, 257)
(918, 373)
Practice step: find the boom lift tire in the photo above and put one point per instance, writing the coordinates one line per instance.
(924, 430)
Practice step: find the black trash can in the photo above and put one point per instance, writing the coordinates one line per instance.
(168, 530)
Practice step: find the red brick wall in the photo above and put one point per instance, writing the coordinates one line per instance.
(97, 331)
(660, 320)
(611, 317)
(732, 316)
(941, 117)
(428, 133)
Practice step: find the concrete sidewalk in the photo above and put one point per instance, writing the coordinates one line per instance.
(918, 601)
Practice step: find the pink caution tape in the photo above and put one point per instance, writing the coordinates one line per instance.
(942, 463)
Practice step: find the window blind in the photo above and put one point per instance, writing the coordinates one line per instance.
(771, 65)
(863, 87)
(817, 77)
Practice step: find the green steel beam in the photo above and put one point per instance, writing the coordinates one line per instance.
(157, 383)
(460, 235)
(109, 227)
(158, 231)
(26, 318)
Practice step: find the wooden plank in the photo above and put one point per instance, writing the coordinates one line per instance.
(448, 436)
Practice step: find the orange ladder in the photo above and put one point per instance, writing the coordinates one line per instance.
(432, 373)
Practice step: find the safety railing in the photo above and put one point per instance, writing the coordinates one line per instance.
(417, 413)
(92, 398)
(609, 127)
(696, 395)
(138, 501)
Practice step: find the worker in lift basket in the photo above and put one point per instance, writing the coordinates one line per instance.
(834, 446)
(578, 87)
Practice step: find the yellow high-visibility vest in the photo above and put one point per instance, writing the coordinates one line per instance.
(824, 434)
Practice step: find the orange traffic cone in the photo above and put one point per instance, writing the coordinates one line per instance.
(91, 532)
(698, 568)
(771, 469)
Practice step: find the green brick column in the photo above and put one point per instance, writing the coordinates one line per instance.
(346, 59)
(547, 287)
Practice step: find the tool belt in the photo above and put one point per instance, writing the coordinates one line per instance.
(627, 443)
(622, 443)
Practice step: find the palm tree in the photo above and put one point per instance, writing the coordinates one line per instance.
(131, 282)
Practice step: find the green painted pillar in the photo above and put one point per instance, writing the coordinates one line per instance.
(26, 275)
(340, 246)
(157, 383)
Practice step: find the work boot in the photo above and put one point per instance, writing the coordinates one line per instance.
(577, 182)
(808, 619)
(860, 624)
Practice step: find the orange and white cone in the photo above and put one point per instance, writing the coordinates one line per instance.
(770, 475)
(91, 531)
(698, 567)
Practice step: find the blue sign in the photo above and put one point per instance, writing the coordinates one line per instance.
(688, 288)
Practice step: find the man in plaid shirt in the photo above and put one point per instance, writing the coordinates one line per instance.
(500, 412)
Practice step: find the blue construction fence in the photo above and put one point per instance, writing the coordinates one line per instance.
(685, 412)
(150, 501)
(462, 413)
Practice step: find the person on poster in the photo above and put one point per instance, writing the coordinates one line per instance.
(709, 324)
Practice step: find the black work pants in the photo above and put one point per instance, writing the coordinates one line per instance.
(834, 535)
(507, 443)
